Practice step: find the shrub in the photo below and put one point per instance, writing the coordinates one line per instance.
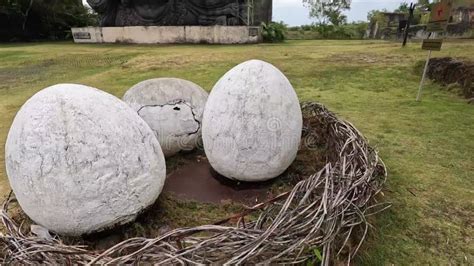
(294, 28)
(354, 30)
(273, 32)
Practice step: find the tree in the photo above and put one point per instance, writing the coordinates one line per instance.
(42, 19)
(424, 5)
(328, 10)
(25, 12)
(411, 10)
(423, 2)
(403, 8)
(377, 16)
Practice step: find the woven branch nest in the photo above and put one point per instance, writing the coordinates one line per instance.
(324, 214)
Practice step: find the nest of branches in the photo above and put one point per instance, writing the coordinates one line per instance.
(323, 218)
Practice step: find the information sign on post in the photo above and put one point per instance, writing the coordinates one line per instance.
(439, 18)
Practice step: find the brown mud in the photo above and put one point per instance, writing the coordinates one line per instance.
(199, 182)
(447, 70)
(192, 177)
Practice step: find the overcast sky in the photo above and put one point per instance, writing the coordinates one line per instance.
(293, 13)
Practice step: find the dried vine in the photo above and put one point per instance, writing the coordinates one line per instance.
(325, 213)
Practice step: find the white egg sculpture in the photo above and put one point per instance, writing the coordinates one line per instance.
(252, 123)
(80, 160)
(172, 108)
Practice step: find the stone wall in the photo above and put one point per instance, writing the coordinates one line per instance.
(168, 34)
(453, 31)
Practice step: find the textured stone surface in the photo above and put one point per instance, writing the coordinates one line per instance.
(183, 12)
(252, 123)
(80, 160)
(172, 108)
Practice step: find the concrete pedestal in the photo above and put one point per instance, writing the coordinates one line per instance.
(168, 34)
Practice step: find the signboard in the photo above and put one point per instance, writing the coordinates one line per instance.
(81, 35)
(432, 44)
(253, 31)
(439, 17)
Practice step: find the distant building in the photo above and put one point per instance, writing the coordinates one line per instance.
(462, 14)
(461, 22)
(390, 25)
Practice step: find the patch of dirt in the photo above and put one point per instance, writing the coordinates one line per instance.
(447, 70)
(199, 182)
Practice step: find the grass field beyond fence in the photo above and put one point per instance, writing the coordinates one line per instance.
(428, 147)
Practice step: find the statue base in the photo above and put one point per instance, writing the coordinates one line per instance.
(168, 34)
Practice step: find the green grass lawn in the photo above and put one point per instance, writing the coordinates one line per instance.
(428, 146)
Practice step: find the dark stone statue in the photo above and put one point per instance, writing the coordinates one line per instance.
(174, 12)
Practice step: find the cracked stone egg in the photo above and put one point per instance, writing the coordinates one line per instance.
(252, 123)
(80, 160)
(172, 108)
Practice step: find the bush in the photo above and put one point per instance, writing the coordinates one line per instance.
(274, 31)
(294, 28)
(355, 30)
(307, 27)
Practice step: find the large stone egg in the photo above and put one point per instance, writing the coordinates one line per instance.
(172, 108)
(252, 123)
(80, 160)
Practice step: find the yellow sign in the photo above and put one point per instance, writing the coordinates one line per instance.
(432, 44)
